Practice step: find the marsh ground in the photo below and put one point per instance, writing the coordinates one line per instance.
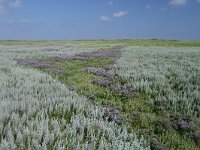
(149, 86)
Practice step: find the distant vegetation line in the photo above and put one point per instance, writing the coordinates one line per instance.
(129, 42)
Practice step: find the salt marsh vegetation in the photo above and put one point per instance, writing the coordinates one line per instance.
(104, 96)
(37, 111)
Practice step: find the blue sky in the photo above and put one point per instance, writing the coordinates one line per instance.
(99, 19)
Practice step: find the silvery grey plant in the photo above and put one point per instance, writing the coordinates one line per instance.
(170, 74)
(39, 112)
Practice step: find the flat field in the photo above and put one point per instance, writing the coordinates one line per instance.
(100, 94)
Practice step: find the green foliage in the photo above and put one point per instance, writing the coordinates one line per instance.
(170, 79)
(5, 70)
(147, 108)
(107, 43)
(39, 112)
(155, 89)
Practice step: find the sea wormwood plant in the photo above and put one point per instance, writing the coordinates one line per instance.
(38, 112)
(167, 79)
(170, 75)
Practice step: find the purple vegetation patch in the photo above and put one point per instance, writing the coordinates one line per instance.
(183, 125)
(99, 53)
(100, 72)
(43, 65)
(33, 63)
(156, 145)
(57, 70)
(102, 82)
(110, 81)
(63, 57)
(113, 52)
(112, 115)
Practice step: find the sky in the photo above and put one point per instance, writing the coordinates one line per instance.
(99, 19)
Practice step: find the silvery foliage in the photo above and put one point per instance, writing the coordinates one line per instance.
(39, 112)
(41, 51)
(168, 74)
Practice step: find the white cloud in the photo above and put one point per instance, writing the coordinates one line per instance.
(16, 4)
(6, 5)
(120, 14)
(104, 18)
(2, 9)
(178, 2)
(198, 1)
